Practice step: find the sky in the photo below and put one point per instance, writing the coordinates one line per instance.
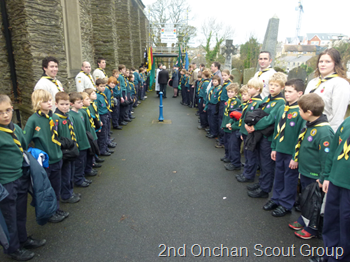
(250, 17)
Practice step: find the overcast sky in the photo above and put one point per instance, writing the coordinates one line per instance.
(250, 17)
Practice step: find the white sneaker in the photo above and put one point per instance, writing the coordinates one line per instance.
(145, 97)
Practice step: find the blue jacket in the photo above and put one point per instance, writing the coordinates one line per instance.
(44, 197)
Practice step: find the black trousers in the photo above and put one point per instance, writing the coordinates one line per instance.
(54, 175)
(163, 89)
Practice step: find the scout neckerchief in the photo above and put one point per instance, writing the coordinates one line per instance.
(96, 110)
(227, 82)
(110, 90)
(70, 126)
(270, 98)
(228, 105)
(263, 71)
(321, 121)
(90, 117)
(53, 81)
(103, 71)
(213, 90)
(346, 149)
(89, 76)
(257, 98)
(106, 100)
(11, 130)
(320, 81)
(282, 123)
(54, 134)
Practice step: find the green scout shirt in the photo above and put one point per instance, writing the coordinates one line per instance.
(122, 84)
(337, 171)
(78, 123)
(203, 89)
(213, 95)
(101, 105)
(11, 155)
(251, 105)
(37, 130)
(232, 104)
(294, 124)
(87, 123)
(270, 108)
(224, 96)
(314, 150)
(63, 125)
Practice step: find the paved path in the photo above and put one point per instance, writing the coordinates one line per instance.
(165, 187)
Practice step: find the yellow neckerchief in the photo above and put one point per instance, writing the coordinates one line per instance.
(245, 106)
(263, 71)
(96, 110)
(282, 123)
(53, 81)
(70, 127)
(301, 138)
(103, 71)
(271, 99)
(110, 90)
(89, 76)
(320, 81)
(345, 151)
(219, 87)
(54, 134)
(11, 130)
(228, 104)
(90, 117)
(105, 98)
(226, 83)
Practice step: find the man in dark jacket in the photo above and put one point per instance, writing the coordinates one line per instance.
(175, 79)
(163, 79)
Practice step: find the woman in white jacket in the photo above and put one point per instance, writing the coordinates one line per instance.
(332, 85)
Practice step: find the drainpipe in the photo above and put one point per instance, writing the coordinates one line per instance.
(11, 60)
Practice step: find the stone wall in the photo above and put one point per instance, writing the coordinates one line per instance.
(72, 31)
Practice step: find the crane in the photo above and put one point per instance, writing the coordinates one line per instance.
(300, 10)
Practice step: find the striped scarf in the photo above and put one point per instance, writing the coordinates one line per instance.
(282, 123)
(70, 126)
(54, 134)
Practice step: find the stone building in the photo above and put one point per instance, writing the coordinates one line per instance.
(72, 31)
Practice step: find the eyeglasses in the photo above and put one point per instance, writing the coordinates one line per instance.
(7, 112)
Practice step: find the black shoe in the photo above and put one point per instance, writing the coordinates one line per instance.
(197, 114)
(223, 158)
(96, 165)
(270, 205)
(91, 174)
(185, 104)
(200, 127)
(22, 254)
(110, 151)
(73, 199)
(123, 123)
(280, 211)
(99, 160)
(84, 184)
(56, 218)
(258, 193)
(111, 145)
(112, 139)
(33, 243)
(207, 129)
(231, 167)
(241, 178)
(106, 154)
(181, 103)
(76, 194)
(218, 145)
(318, 259)
(110, 132)
(164, 96)
(128, 120)
(62, 213)
(117, 127)
(133, 117)
(253, 187)
(210, 136)
(297, 208)
(88, 181)
(226, 160)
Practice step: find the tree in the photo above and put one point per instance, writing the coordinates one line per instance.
(250, 52)
(344, 50)
(165, 12)
(215, 34)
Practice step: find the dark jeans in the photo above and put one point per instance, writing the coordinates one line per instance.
(251, 162)
(80, 164)
(54, 175)
(202, 115)
(220, 117)
(163, 89)
(67, 175)
(14, 210)
(115, 114)
(267, 165)
(234, 148)
(103, 135)
(213, 119)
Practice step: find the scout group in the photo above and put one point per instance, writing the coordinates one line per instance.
(70, 131)
(289, 132)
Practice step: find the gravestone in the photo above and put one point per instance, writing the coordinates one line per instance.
(228, 50)
(248, 74)
(237, 74)
(297, 72)
(270, 40)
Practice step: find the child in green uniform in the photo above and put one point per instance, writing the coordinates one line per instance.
(14, 205)
(77, 119)
(66, 130)
(251, 97)
(202, 100)
(287, 129)
(311, 151)
(232, 140)
(269, 105)
(41, 128)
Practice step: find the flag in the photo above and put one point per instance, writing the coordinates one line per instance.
(152, 75)
(179, 58)
(187, 63)
(150, 59)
